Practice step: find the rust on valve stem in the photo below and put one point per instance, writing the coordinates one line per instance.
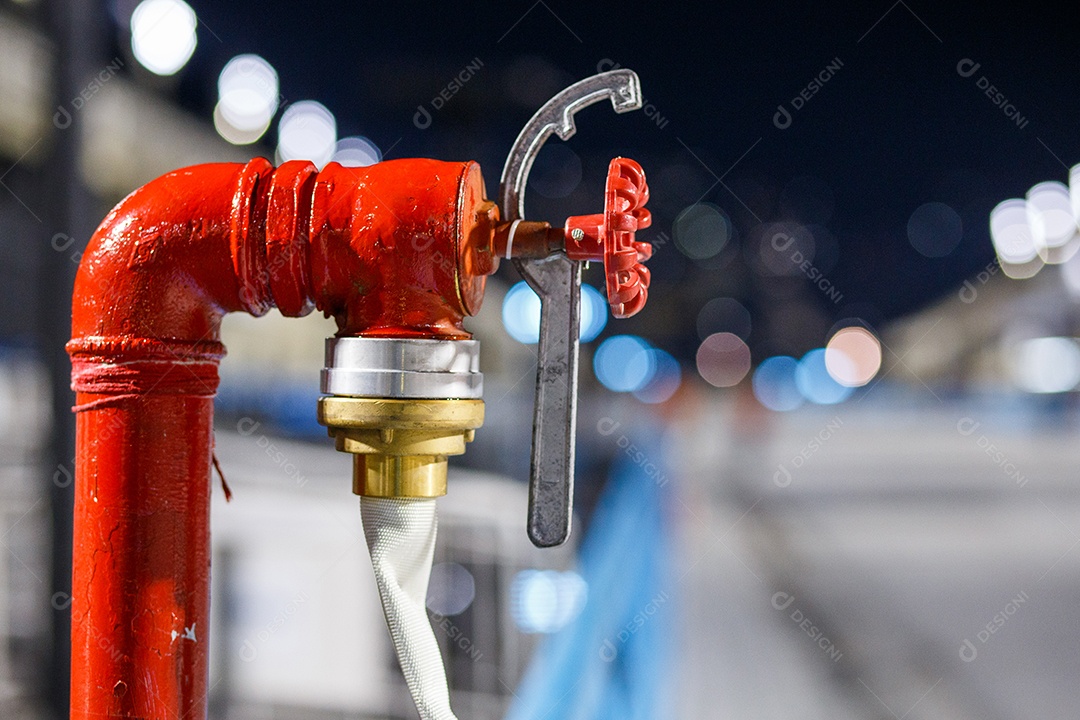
(527, 239)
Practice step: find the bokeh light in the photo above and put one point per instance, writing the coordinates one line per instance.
(1050, 216)
(723, 314)
(775, 386)
(1046, 365)
(783, 247)
(521, 313)
(356, 151)
(247, 97)
(594, 313)
(307, 131)
(665, 380)
(723, 359)
(624, 363)
(1074, 191)
(544, 601)
(702, 230)
(163, 35)
(232, 134)
(853, 356)
(1013, 240)
(816, 383)
(451, 589)
(1070, 274)
(934, 229)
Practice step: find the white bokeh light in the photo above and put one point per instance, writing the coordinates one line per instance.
(163, 35)
(853, 356)
(1013, 239)
(233, 134)
(247, 98)
(1053, 227)
(356, 151)
(544, 601)
(307, 131)
(1074, 191)
(1046, 365)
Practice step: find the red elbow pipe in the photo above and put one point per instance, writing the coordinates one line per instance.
(398, 249)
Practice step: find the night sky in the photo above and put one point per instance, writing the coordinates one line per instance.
(893, 126)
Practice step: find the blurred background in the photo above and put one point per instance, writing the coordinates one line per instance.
(828, 472)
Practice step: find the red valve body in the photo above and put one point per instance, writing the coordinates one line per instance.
(398, 249)
(610, 236)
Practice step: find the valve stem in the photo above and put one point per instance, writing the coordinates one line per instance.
(528, 239)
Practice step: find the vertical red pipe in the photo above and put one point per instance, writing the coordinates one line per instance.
(141, 576)
(144, 615)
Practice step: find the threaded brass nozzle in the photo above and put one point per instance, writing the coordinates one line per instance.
(400, 446)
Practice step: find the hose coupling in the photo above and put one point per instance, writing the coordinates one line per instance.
(401, 407)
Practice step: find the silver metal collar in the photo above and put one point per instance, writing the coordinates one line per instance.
(402, 368)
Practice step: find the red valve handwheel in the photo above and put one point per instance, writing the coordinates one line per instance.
(609, 236)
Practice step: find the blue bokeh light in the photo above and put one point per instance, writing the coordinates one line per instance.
(624, 363)
(815, 383)
(665, 380)
(594, 313)
(775, 386)
(544, 601)
(521, 313)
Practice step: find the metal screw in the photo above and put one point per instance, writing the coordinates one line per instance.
(577, 234)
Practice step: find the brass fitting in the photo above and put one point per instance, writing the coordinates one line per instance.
(400, 446)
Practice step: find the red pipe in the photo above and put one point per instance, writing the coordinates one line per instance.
(398, 249)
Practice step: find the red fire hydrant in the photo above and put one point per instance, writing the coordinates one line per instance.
(397, 251)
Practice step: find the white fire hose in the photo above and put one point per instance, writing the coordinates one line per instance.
(400, 535)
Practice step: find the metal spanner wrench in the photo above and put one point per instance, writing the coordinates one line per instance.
(557, 280)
